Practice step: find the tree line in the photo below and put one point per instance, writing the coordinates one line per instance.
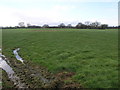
(80, 25)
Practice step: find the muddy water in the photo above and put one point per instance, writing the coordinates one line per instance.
(11, 74)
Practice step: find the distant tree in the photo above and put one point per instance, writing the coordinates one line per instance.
(79, 25)
(16, 26)
(87, 23)
(21, 24)
(62, 25)
(83, 26)
(28, 25)
(104, 26)
(69, 26)
(95, 24)
(45, 26)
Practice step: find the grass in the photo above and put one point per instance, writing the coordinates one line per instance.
(91, 54)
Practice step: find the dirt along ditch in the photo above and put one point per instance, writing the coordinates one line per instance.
(10, 72)
(26, 74)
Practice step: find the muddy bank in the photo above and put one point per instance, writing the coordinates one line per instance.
(6, 82)
(34, 76)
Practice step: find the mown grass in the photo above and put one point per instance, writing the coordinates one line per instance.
(91, 54)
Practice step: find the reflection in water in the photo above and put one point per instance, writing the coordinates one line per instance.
(6, 67)
(16, 55)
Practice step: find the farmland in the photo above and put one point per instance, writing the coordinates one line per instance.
(92, 54)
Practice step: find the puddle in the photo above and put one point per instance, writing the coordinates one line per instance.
(11, 74)
(15, 52)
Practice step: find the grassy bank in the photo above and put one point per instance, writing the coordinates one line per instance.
(90, 54)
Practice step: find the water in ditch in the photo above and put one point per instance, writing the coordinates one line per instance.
(11, 74)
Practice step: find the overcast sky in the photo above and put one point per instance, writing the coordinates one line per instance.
(54, 12)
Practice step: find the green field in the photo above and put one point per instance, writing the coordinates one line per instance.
(91, 54)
